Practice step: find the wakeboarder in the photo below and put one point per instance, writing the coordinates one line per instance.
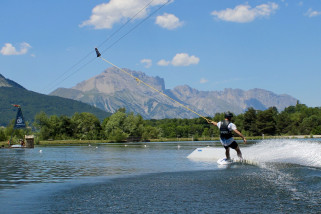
(226, 135)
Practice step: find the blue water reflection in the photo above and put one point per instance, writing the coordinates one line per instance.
(56, 164)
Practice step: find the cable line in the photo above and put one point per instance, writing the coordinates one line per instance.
(55, 83)
(141, 81)
(129, 20)
(137, 25)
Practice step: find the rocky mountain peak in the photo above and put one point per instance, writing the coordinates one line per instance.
(114, 89)
(8, 83)
(114, 80)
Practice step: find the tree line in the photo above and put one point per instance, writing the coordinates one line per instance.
(120, 126)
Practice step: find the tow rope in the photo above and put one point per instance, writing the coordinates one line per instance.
(141, 81)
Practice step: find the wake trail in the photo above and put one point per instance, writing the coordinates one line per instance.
(275, 157)
(301, 152)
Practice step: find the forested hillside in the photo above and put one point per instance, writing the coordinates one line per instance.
(32, 103)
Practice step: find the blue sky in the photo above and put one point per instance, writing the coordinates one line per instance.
(207, 44)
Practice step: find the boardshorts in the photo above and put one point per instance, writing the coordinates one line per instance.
(233, 145)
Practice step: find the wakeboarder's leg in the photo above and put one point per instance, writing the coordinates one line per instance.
(239, 153)
(227, 153)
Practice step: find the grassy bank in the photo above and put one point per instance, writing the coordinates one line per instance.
(87, 142)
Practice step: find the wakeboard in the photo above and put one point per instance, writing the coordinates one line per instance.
(224, 161)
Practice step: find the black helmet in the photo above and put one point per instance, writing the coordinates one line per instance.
(228, 115)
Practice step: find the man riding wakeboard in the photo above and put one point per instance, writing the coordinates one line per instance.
(226, 135)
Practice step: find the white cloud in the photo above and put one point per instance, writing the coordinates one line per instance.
(147, 62)
(107, 14)
(312, 13)
(180, 59)
(9, 49)
(168, 21)
(245, 13)
(183, 59)
(163, 62)
(203, 80)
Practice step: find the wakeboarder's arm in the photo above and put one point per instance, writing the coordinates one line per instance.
(213, 122)
(240, 134)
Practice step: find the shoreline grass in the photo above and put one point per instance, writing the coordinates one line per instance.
(87, 142)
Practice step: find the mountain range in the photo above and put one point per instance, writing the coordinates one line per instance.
(114, 89)
(33, 103)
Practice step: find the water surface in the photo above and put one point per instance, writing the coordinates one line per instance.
(158, 177)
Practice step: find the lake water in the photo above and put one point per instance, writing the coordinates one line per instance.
(284, 177)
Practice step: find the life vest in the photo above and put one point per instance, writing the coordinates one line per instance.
(225, 133)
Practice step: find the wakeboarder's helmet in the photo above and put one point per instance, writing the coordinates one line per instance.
(228, 115)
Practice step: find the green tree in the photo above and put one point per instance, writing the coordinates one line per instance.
(150, 133)
(169, 130)
(296, 119)
(3, 136)
(65, 128)
(113, 127)
(118, 135)
(283, 123)
(218, 117)
(249, 121)
(311, 125)
(86, 126)
(238, 120)
(266, 121)
(133, 125)
(206, 132)
(42, 123)
(54, 127)
(182, 130)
